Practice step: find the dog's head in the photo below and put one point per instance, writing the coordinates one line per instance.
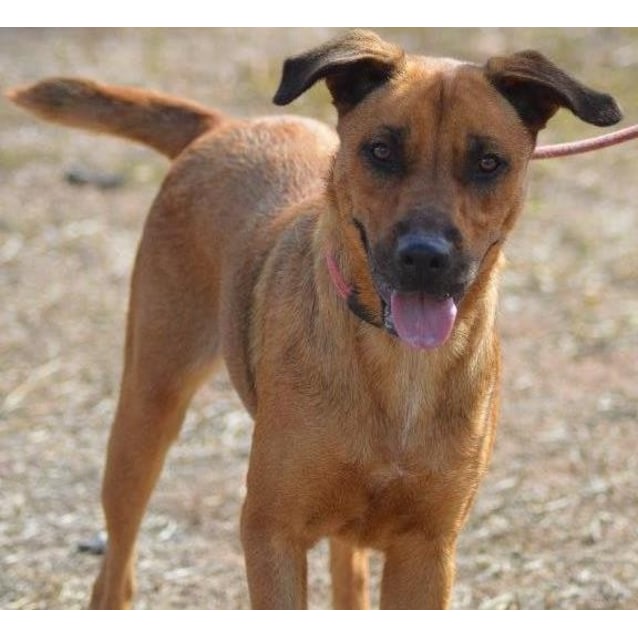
(430, 174)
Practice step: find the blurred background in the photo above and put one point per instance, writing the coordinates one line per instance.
(554, 525)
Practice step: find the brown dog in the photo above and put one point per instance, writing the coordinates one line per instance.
(349, 283)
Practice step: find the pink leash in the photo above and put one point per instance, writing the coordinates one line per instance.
(584, 146)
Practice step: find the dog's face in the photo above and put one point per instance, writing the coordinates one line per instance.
(430, 173)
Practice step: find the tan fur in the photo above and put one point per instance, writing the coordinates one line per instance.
(165, 123)
(357, 437)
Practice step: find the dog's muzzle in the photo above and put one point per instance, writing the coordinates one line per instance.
(416, 318)
(420, 275)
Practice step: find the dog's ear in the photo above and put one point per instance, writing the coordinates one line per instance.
(537, 88)
(353, 65)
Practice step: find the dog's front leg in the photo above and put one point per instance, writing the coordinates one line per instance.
(418, 573)
(276, 562)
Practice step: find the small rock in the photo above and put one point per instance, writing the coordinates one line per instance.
(79, 176)
(95, 545)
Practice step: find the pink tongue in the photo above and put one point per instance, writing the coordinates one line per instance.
(421, 321)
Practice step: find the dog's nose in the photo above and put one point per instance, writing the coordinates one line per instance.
(423, 255)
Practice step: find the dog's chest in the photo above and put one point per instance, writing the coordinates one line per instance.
(417, 483)
(386, 501)
(408, 479)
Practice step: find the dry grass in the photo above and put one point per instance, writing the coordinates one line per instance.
(554, 526)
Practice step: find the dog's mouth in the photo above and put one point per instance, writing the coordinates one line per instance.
(419, 306)
(421, 321)
(424, 317)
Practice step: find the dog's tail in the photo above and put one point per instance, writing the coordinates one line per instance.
(165, 123)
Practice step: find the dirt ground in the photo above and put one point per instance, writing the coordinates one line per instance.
(555, 523)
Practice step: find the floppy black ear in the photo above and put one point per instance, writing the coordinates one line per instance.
(353, 65)
(537, 88)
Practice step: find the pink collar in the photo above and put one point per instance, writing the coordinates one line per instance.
(344, 290)
(350, 295)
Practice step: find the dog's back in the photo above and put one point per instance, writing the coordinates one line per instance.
(222, 199)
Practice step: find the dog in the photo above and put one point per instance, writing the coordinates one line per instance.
(349, 282)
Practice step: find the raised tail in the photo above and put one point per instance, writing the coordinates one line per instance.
(163, 122)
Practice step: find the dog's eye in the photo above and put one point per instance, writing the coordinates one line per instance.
(381, 152)
(489, 163)
(485, 163)
(384, 153)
